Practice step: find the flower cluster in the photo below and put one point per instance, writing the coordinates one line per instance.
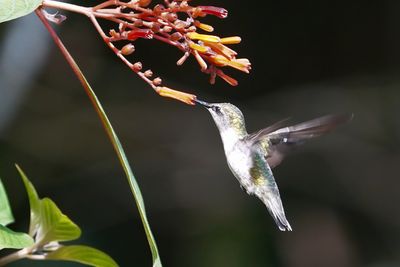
(176, 23)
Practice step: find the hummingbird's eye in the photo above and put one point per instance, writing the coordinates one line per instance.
(216, 109)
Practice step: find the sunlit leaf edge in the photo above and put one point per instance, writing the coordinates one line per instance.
(34, 202)
(11, 239)
(54, 225)
(6, 216)
(82, 254)
(12, 9)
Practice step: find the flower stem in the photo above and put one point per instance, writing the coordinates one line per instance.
(68, 7)
(20, 254)
(111, 135)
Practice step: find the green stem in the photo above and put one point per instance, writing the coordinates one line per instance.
(111, 135)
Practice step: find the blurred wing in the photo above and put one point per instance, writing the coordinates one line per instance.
(276, 155)
(276, 143)
(308, 129)
(257, 136)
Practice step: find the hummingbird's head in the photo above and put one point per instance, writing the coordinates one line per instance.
(227, 117)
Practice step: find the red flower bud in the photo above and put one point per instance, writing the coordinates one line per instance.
(213, 10)
(140, 33)
(137, 66)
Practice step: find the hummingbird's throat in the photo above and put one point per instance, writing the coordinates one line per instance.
(229, 138)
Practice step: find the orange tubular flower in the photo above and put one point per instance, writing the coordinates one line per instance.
(242, 64)
(226, 78)
(199, 48)
(204, 27)
(203, 37)
(178, 95)
(222, 50)
(231, 40)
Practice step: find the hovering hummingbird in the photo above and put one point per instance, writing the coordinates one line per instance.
(252, 156)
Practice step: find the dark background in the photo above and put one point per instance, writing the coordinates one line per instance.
(309, 58)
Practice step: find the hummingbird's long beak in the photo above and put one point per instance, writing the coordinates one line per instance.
(205, 104)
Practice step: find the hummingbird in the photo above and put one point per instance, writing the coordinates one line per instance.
(251, 157)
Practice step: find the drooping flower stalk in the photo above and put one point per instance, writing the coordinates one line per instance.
(175, 23)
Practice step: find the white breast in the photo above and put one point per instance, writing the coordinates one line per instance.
(238, 157)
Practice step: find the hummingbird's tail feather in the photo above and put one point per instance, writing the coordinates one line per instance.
(275, 208)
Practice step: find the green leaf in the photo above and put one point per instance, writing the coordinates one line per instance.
(47, 221)
(34, 202)
(12, 9)
(82, 254)
(6, 216)
(55, 226)
(11, 239)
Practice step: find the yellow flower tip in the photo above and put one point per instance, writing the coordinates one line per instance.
(199, 48)
(231, 40)
(177, 95)
(242, 64)
(219, 60)
(204, 27)
(222, 50)
(243, 61)
(203, 37)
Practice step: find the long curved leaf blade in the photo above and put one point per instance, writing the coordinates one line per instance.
(11, 239)
(114, 141)
(12, 9)
(133, 184)
(54, 225)
(6, 216)
(82, 254)
(34, 202)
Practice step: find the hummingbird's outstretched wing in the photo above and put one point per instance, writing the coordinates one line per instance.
(254, 137)
(278, 141)
(308, 129)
